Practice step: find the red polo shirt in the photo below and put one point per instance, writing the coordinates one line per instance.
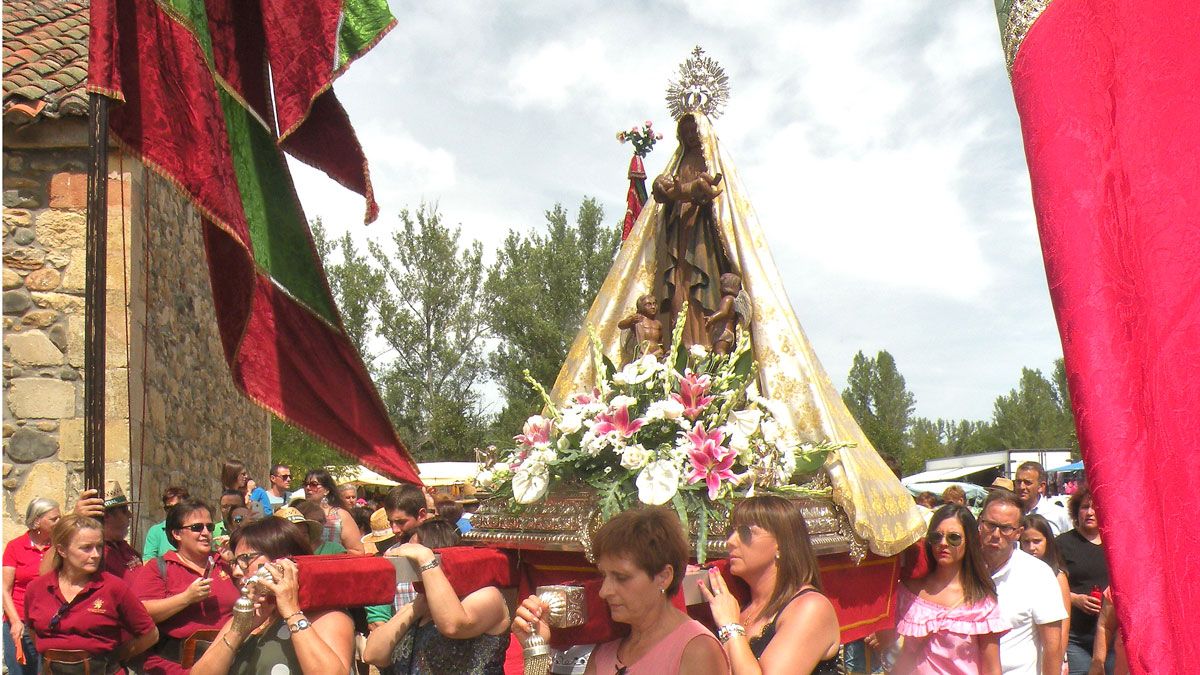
(121, 559)
(26, 559)
(149, 583)
(96, 621)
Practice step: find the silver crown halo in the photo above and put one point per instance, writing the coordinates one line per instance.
(702, 87)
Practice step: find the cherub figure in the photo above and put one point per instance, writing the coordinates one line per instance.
(701, 189)
(734, 306)
(645, 328)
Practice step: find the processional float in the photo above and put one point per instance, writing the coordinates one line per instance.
(691, 384)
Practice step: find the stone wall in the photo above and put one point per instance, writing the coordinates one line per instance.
(45, 190)
(194, 416)
(173, 414)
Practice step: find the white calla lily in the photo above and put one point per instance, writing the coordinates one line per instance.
(658, 482)
(530, 482)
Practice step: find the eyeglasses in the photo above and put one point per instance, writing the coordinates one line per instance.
(58, 616)
(992, 526)
(243, 561)
(312, 484)
(952, 539)
(198, 527)
(284, 476)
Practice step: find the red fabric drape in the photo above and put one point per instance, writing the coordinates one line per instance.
(1109, 99)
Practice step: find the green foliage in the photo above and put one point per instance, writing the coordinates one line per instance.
(1033, 415)
(878, 398)
(538, 291)
(430, 315)
(300, 451)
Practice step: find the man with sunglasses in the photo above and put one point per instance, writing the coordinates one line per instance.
(1027, 590)
(277, 491)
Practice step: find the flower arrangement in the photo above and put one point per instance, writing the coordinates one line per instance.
(643, 138)
(687, 430)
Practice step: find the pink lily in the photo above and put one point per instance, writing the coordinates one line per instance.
(618, 421)
(537, 432)
(692, 390)
(711, 461)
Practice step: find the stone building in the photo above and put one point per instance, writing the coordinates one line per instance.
(173, 413)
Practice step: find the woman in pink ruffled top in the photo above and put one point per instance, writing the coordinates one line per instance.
(949, 621)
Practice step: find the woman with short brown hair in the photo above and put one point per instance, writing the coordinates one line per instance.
(642, 556)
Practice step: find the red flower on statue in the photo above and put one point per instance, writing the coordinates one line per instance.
(692, 394)
(711, 461)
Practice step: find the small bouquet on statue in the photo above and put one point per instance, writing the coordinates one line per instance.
(688, 430)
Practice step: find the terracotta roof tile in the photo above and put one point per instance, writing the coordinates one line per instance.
(45, 57)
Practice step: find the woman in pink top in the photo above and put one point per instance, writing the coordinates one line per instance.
(949, 621)
(642, 556)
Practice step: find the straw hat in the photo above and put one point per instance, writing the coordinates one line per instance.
(1006, 483)
(381, 528)
(293, 515)
(114, 496)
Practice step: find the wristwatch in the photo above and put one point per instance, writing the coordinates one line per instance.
(301, 624)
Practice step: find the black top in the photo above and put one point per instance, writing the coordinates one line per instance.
(758, 644)
(1086, 568)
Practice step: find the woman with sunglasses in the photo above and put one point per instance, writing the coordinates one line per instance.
(185, 590)
(280, 637)
(80, 614)
(642, 558)
(788, 626)
(949, 620)
(339, 524)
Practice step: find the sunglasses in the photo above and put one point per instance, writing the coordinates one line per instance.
(284, 476)
(243, 561)
(58, 616)
(312, 484)
(952, 539)
(198, 527)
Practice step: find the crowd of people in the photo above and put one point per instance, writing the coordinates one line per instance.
(1010, 591)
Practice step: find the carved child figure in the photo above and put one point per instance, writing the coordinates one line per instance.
(645, 326)
(734, 305)
(700, 190)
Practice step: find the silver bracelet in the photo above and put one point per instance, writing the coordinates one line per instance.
(725, 633)
(436, 562)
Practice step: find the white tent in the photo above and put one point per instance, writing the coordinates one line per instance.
(447, 473)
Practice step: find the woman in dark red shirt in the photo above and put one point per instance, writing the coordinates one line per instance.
(22, 564)
(78, 612)
(185, 590)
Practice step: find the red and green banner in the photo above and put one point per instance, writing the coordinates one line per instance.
(1108, 94)
(635, 199)
(203, 84)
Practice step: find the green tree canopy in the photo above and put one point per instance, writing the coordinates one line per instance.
(1036, 414)
(878, 398)
(539, 289)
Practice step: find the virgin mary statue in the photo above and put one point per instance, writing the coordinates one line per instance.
(684, 239)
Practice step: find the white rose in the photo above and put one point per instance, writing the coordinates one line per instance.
(670, 409)
(635, 457)
(649, 364)
(485, 477)
(698, 351)
(572, 421)
(658, 482)
(623, 402)
(621, 377)
(529, 483)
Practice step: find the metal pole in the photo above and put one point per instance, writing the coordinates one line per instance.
(95, 295)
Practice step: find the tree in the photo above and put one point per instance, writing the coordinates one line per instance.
(878, 398)
(538, 291)
(1032, 415)
(300, 451)
(1063, 395)
(430, 315)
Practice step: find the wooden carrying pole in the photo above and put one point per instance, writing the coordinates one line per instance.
(96, 294)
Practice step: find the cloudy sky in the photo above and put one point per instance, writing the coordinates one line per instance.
(878, 142)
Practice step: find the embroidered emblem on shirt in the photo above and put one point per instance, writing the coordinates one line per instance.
(97, 607)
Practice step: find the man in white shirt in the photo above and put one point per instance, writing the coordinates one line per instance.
(1031, 488)
(1028, 592)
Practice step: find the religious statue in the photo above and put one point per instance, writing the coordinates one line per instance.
(734, 309)
(645, 329)
(692, 256)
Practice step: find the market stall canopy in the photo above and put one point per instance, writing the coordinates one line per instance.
(447, 473)
(1073, 466)
(934, 475)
